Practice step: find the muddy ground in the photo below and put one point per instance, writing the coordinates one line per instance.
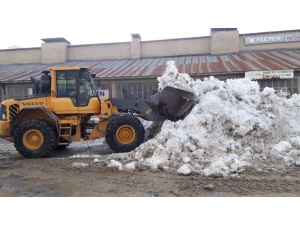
(60, 174)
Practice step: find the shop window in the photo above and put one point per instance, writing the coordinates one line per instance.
(262, 84)
(143, 91)
(19, 92)
(290, 85)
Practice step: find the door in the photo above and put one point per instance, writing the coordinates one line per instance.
(67, 92)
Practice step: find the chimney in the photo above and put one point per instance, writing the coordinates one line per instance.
(135, 46)
(224, 40)
(54, 50)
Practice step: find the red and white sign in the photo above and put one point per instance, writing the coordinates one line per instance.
(270, 74)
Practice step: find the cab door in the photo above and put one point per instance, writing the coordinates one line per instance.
(67, 96)
(89, 102)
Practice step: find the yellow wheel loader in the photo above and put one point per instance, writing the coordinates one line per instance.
(64, 100)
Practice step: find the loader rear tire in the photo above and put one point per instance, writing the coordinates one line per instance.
(35, 138)
(124, 133)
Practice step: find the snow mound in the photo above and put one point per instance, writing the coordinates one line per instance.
(79, 164)
(174, 79)
(233, 127)
(129, 167)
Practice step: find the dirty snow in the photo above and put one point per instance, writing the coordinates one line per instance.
(79, 164)
(130, 167)
(234, 127)
(84, 156)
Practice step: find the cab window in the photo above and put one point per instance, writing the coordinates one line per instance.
(66, 85)
(86, 88)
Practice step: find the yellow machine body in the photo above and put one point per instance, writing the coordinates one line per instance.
(59, 111)
(65, 101)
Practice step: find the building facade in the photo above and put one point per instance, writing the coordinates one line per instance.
(271, 58)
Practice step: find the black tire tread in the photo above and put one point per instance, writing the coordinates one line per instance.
(112, 127)
(50, 139)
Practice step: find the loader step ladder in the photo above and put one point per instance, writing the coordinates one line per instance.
(65, 132)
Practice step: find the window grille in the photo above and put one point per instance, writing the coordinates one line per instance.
(291, 85)
(142, 90)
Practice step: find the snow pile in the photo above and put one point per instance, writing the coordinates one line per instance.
(79, 164)
(7, 148)
(84, 156)
(174, 79)
(129, 167)
(233, 127)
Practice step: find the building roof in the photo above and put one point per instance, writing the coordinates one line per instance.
(153, 67)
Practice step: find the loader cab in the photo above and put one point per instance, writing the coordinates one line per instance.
(75, 84)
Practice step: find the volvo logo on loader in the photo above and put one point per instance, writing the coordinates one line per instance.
(32, 103)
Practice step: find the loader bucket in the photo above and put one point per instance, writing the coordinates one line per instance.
(173, 103)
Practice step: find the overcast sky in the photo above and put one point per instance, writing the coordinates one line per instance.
(25, 22)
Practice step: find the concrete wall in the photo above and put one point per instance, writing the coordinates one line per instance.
(99, 51)
(175, 47)
(219, 42)
(26, 55)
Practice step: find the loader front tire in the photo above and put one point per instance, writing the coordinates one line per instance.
(35, 138)
(124, 133)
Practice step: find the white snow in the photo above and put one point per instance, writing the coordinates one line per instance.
(115, 164)
(129, 167)
(96, 160)
(174, 79)
(79, 164)
(185, 170)
(85, 156)
(233, 127)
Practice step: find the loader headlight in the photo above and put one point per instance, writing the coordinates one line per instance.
(3, 112)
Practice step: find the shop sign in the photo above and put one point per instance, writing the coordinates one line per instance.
(264, 39)
(272, 39)
(270, 74)
(292, 37)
